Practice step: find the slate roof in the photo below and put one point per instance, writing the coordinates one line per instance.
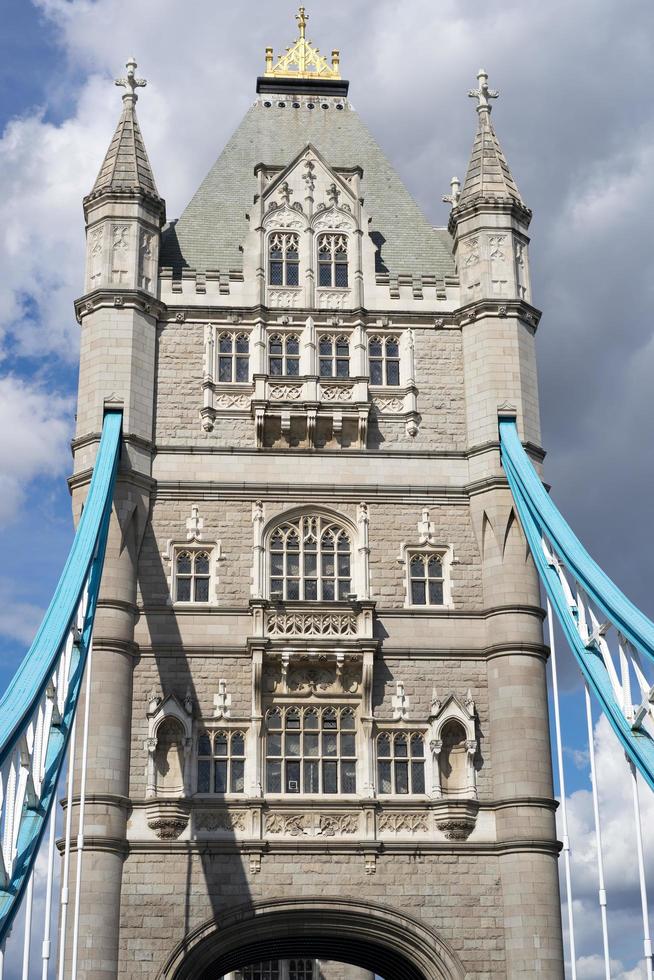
(488, 172)
(126, 166)
(212, 229)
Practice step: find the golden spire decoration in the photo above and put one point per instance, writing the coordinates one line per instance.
(302, 60)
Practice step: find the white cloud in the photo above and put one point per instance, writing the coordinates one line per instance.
(35, 428)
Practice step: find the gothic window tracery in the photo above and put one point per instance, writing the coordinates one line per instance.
(384, 360)
(284, 259)
(400, 763)
(192, 575)
(426, 579)
(284, 355)
(310, 559)
(311, 750)
(334, 357)
(333, 261)
(233, 357)
(221, 762)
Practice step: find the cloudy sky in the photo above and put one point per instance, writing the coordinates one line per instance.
(575, 120)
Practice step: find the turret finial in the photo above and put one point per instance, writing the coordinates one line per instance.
(302, 18)
(130, 82)
(301, 59)
(455, 193)
(483, 93)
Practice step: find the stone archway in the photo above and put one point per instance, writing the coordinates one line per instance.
(364, 934)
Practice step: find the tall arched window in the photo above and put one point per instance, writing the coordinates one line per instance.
(334, 355)
(284, 355)
(310, 558)
(284, 259)
(221, 762)
(192, 575)
(426, 575)
(332, 261)
(311, 750)
(384, 358)
(400, 763)
(233, 357)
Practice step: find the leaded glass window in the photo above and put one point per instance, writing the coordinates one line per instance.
(311, 750)
(284, 355)
(310, 559)
(233, 357)
(192, 575)
(426, 580)
(300, 970)
(400, 763)
(221, 762)
(384, 360)
(334, 357)
(332, 261)
(261, 971)
(284, 259)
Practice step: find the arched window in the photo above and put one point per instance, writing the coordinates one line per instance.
(310, 558)
(400, 763)
(192, 574)
(332, 261)
(453, 760)
(233, 357)
(384, 358)
(311, 750)
(221, 762)
(284, 259)
(334, 355)
(284, 355)
(426, 580)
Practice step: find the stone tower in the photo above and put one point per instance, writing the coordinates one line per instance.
(319, 706)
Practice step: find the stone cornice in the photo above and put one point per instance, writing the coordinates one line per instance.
(485, 204)
(499, 308)
(124, 299)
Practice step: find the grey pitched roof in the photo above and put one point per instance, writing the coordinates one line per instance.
(212, 229)
(488, 172)
(126, 166)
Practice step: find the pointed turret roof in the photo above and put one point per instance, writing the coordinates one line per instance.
(126, 168)
(489, 175)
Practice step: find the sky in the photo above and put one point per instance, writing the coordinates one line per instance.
(575, 119)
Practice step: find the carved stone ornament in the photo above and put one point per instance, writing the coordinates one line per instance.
(311, 624)
(226, 400)
(286, 393)
(391, 406)
(220, 821)
(289, 824)
(168, 818)
(403, 822)
(180, 317)
(336, 393)
(338, 824)
(456, 829)
(283, 299)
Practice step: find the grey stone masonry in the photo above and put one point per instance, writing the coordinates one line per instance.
(318, 697)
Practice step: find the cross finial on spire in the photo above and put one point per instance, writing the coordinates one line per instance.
(130, 82)
(483, 93)
(302, 18)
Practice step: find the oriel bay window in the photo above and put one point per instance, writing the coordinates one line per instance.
(311, 750)
(221, 762)
(284, 259)
(332, 261)
(310, 559)
(400, 763)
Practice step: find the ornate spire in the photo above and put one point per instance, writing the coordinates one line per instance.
(126, 167)
(489, 175)
(302, 60)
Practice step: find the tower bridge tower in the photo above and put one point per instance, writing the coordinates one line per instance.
(319, 705)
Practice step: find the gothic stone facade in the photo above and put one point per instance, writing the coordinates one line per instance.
(319, 704)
